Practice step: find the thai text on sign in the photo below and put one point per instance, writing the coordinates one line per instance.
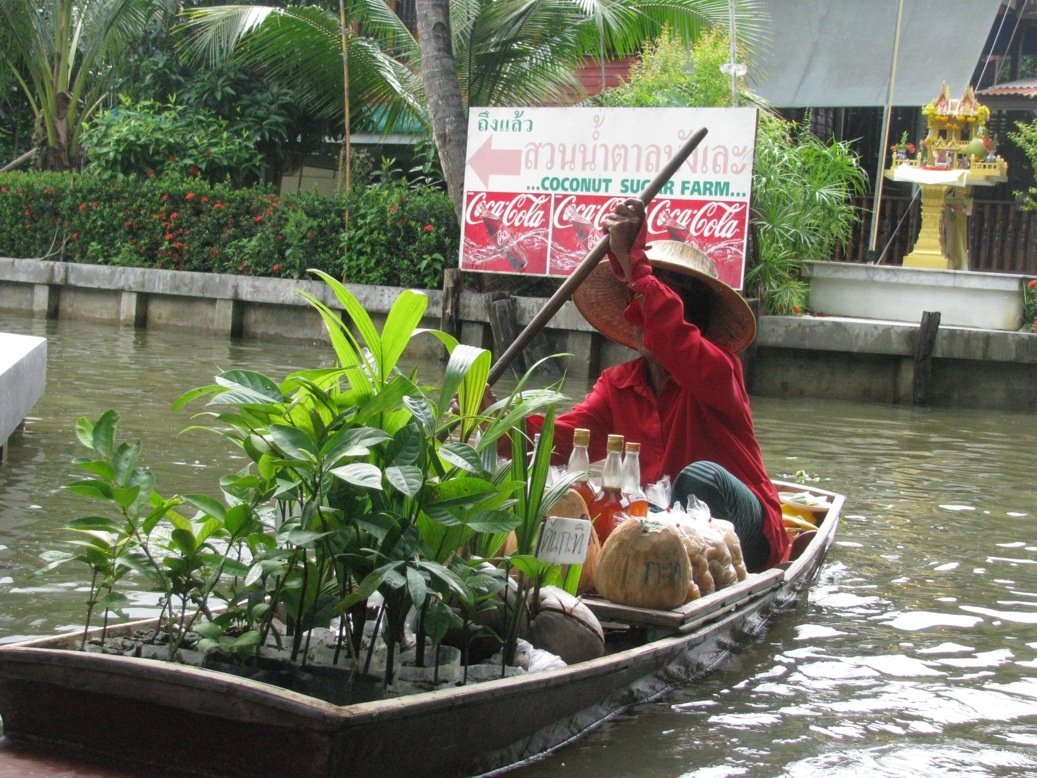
(539, 182)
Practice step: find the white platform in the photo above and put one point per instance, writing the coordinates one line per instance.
(23, 377)
(964, 298)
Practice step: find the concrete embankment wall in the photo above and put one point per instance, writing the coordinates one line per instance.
(803, 357)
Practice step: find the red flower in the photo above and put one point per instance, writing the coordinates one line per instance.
(205, 198)
(169, 236)
(75, 236)
(189, 196)
(165, 198)
(219, 205)
(174, 215)
(427, 228)
(277, 268)
(1032, 283)
(82, 207)
(193, 171)
(257, 218)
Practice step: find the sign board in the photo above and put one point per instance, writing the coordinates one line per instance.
(539, 182)
(564, 541)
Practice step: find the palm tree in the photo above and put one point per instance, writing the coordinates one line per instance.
(62, 54)
(499, 52)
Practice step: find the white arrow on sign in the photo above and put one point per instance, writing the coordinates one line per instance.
(488, 161)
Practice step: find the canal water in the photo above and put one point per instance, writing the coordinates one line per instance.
(915, 652)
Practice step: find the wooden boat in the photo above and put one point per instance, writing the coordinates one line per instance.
(175, 719)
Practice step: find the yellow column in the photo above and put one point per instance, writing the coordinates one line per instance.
(956, 227)
(927, 251)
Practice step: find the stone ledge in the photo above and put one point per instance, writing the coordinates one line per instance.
(964, 298)
(23, 377)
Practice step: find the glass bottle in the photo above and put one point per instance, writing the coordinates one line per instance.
(609, 501)
(580, 465)
(634, 499)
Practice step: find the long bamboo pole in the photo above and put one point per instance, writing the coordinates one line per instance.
(564, 292)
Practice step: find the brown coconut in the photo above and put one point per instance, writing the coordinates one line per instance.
(643, 563)
(566, 627)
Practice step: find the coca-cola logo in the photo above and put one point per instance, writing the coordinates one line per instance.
(525, 211)
(568, 210)
(715, 220)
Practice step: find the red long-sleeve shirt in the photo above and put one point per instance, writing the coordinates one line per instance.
(701, 413)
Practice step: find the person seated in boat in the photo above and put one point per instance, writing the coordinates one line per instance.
(684, 398)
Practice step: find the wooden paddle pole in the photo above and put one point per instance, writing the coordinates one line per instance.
(564, 292)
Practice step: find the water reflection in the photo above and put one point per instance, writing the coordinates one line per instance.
(915, 652)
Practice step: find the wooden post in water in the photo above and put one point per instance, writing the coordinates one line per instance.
(923, 364)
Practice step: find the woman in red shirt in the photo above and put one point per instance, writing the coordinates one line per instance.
(684, 399)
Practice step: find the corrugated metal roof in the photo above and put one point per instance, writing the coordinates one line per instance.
(1018, 95)
(830, 53)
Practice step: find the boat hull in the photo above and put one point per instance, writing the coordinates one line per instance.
(174, 718)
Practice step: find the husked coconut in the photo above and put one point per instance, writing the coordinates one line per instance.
(566, 627)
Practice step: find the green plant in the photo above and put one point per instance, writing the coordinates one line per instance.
(1025, 137)
(801, 184)
(360, 480)
(148, 139)
(399, 235)
(802, 187)
(670, 73)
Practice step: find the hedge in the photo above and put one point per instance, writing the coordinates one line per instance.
(394, 234)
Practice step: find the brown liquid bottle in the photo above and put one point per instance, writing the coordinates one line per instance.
(609, 501)
(580, 465)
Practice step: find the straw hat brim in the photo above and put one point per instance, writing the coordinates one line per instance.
(602, 298)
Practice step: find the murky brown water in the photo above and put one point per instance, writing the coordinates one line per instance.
(915, 652)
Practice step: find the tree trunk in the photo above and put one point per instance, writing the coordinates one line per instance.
(443, 95)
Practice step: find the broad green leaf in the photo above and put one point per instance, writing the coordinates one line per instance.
(103, 434)
(400, 323)
(355, 311)
(97, 467)
(406, 479)
(462, 456)
(296, 443)
(125, 461)
(206, 505)
(237, 518)
(360, 474)
(416, 588)
(96, 489)
(184, 541)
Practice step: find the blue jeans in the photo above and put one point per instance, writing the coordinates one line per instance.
(730, 499)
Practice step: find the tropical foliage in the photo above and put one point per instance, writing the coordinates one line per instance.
(63, 56)
(501, 52)
(148, 139)
(398, 235)
(360, 481)
(802, 209)
(802, 185)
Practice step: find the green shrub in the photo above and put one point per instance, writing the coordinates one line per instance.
(150, 139)
(402, 234)
(397, 236)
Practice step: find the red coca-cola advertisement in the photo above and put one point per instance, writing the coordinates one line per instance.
(506, 232)
(717, 228)
(576, 228)
(714, 227)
